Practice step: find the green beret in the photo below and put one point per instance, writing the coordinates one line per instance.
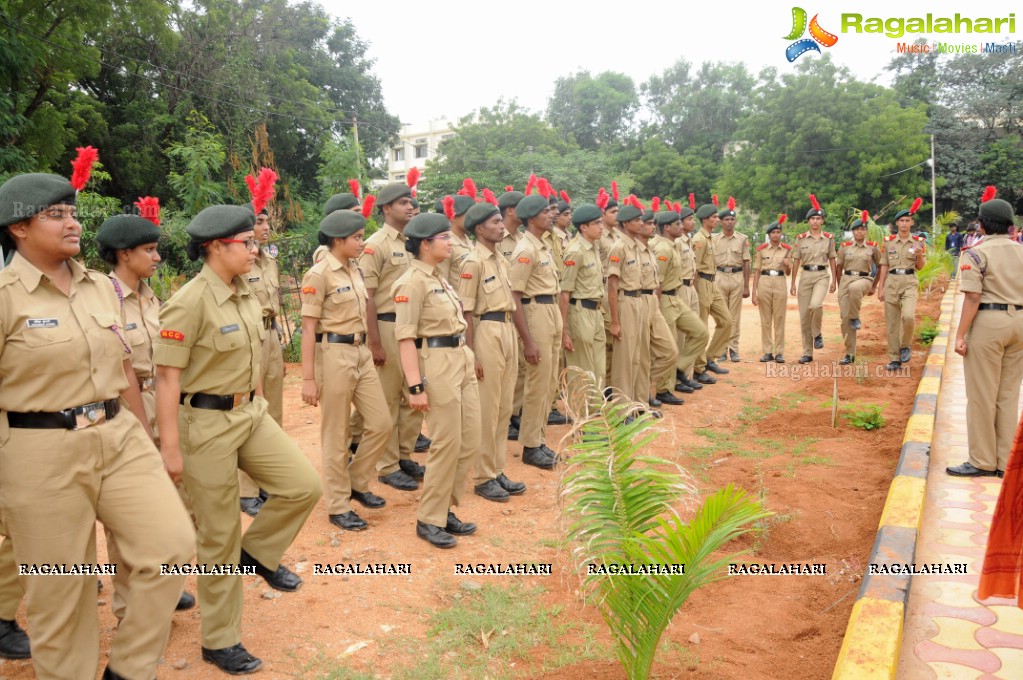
(996, 209)
(585, 214)
(903, 213)
(666, 217)
(392, 192)
(127, 231)
(773, 226)
(415, 202)
(686, 212)
(462, 204)
(552, 200)
(510, 199)
(340, 202)
(648, 215)
(629, 212)
(530, 206)
(342, 224)
(611, 203)
(478, 214)
(564, 206)
(857, 223)
(438, 205)
(220, 221)
(22, 196)
(706, 210)
(813, 212)
(726, 213)
(426, 225)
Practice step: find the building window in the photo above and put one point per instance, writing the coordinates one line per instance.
(398, 178)
(399, 154)
(422, 150)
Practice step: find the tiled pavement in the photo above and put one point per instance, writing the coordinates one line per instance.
(949, 634)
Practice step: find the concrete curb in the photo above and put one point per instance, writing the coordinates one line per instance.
(873, 638)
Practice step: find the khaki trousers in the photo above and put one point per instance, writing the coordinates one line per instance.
(630, 360)
(544, 323)
(586, 329)
(690, 335)
(346, 376)
(993, 367)
(454, 422)
(851, 290)
(406, 424)
(54, 485)
(772, 300)
(10, 588)
(813, 286)
(272, 371)
(691, 299)
(663, 347)
(215, 444)
(497, 351)
(712, 304)
(900, 293)
(730, 285)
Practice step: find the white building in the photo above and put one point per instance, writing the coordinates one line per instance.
(416, 145)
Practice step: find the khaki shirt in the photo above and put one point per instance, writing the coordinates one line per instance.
(703, 247)
(992, 269)
(647, 266)
(382, 262)
(213, 334)
(141, 325)
(452, 267)
(507, 245)
(624, 262)
(814, 250)
(533, 271)
(606, 243)
(562, 236)
(58, 351)
(557, 248)
(335, 293)
(669, 262)
(484, 285)
(858, 258)
(265, 281)
(583, 274)
(772, 257)
(684, 246)
(425, 304)
(730, 251)
(900, 253)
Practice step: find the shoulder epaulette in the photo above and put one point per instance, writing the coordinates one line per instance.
(803, 235)
(871, 243)
(7, 277)
(786, 246)
(761, 247)
(828, 234)
(919, 238)
(847, 243)
(890, 237)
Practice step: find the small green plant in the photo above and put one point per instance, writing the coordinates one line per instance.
(293, 350)
(866, 417)
(927, 330)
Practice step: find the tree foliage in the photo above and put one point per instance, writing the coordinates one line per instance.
(596, 110)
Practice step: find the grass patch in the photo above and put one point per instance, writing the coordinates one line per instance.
(865, 417)
(927, 330)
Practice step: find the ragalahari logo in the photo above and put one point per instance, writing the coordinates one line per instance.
(804, 45)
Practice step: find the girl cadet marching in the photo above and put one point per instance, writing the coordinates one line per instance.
(209, 407)
(440, 373)
(337, 369)
(68, 456)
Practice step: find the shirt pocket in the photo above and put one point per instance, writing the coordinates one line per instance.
(106, 329)
(44, 337)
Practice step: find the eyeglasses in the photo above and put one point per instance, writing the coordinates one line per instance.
(443, 236)
(249, 243)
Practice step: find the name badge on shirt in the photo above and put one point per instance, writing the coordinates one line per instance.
(131, 327)
(253, 279)
(438, 290)
(229, 329)
(344, 289)
(397, 254)
(42, 323)
(489, 279)
(545, 263)
(630, 262)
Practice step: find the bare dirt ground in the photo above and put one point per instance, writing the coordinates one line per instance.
(767, 432)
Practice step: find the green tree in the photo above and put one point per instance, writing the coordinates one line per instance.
(1003, 159)
(198, 162)
(596, 110)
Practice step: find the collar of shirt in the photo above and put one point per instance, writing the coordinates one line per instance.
(144, 289)
(31, 277)
(393, 233)
(429, 270)
(560, 233)
(221, 291)
(809, 234)
(484, 252)
(899, 238)
(585, 245)
(335, 263)
(461, 240)
(537, 243)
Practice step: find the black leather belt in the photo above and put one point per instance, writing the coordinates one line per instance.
(75, 418)
(669, 292)
(647, 291)
(730, 270)
(539, 299)
(387, 316)
(903, 271)
(687, 282)
(705, 277)
(772, 272)
(216, 402)
(814, 267)
(997, 307)
(496, 316)
(630, 293)
(440, 341)
(588, 304)
(850, 272)
(349, 339)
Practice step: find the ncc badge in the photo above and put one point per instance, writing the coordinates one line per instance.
(272, 250)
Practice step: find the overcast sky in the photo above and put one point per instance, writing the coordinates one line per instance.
(446, 58)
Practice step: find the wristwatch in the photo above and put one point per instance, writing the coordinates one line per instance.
(418, 389)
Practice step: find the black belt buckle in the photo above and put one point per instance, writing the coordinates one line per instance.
(687, 282)
(443, 341)
(706, 277)
(813, 267)
(216, 402)
(539, 299)
(77, 418)
(772, 272)
(647, 291)
(730, 270)
(387, 316)
(669, 292)
(586, 304)
(903, 272)
(997, 307)
(850, 272)
(630, 293)
(337, 338)
(495, 316)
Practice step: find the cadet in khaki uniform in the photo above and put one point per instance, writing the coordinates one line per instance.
(815, 254)
(14, 643)
(731, 254)
(901, 256)
(689, 297)
(771, 266)
(207, 362)
(345, 201)
(689, 332)
(440, 371)
(507, 204)
(383, 261)
(337, 369)
(663, 341)
(582, 292)
(990, 339)
(712, 304)
(486, 293)
(461, 246)
(563, 222)
(68, 456)
(534, 278)
(856, 262)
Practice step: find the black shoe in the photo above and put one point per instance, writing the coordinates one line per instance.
(348, 521)
(513, 433)
(550, 453)
(400, 481)
(492, 491)
(967, 469)
(352, 448)
(684, 388)
(766, 358)
(282, 579)
(846, 360)
(734, 356)
(235, 660)
(654, 414)
(412, 468)
(695, 385)
(457, 527)
(555, 417)
(516, 421)
(537, 457)
(705, 378)
(669, 398)
(264, 495)
(654, 402)
(893, 366)
(723, 357)
(186, 601)
(251, 505)
(110, 675)
(805, 359)
(368, 499)
(714, 368)
(905, 355)
(14, 642)
(513, 488)
(679, 376)
(779, 359)
(435, 536)
(422, 443)
(855, 324)
(818, 342)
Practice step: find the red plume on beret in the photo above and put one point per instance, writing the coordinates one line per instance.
(782, 219)
(692, 201)
(509, 188)
(81, 166)
(916, 205)
(864, 216)
(564, 196)
(412, 179)
(353, 184)
(655, 203)
(989, 193)
(602, 199)
(731, 203)
(614, 189)
(635, 202)
(678, 207)
(814, 203)
(449, 207)
(489, 196)
(367, 205)
(262, 188)
(530, 183)
(714, 200)
(543, 187)
(469, 187)
(149, 208)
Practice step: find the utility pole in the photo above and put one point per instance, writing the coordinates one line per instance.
(934, 193)
(358, 163)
